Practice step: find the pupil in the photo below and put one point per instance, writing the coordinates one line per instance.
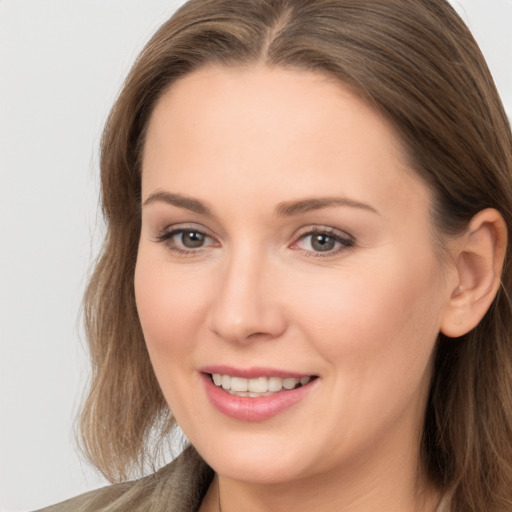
(322, 243)
(192, 239)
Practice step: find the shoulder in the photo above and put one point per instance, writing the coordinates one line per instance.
(180, 485)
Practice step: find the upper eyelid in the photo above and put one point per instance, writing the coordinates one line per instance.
(300, 232)
(161, 227)
(173, 229)
(166, 234)
(309, 230)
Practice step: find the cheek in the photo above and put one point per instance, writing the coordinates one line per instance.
(377, 317)
(376, 332)
(169, 305)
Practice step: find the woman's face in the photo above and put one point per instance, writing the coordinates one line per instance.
(286, 244)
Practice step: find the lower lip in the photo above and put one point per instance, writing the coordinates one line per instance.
(246, 408)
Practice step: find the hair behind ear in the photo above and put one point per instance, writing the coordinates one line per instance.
(468, 423)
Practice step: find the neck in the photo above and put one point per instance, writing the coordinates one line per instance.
(392, 486)
(231, 496)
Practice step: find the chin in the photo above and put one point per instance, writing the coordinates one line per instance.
(256, 461)
(257, 473)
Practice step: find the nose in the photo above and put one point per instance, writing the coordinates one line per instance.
(245, 306)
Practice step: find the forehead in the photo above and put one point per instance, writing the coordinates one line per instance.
(263, 127)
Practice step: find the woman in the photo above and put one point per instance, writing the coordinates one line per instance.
(307, 205)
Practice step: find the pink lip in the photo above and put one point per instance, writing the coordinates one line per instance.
(253, 409)
(251, 373)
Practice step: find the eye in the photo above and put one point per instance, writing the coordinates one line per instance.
(324, 242)
(185, 240)
(191, 239)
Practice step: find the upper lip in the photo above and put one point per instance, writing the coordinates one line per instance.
(252, 372)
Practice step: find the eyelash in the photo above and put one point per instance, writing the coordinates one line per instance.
(343, 240)
(166, 237)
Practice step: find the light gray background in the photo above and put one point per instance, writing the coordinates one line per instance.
(61, 65)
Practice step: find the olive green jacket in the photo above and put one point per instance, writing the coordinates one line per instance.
(178, 487)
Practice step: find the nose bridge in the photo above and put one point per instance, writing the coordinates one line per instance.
(245, 304)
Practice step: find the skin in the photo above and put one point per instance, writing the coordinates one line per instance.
(364, 318)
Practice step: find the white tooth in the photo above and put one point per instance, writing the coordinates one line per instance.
(239, 393)
(253, 395)
(305, 380)
(275, 384)
(217, 379)
(258, 385)
(290, 383)
(226, 382)
(239, 384)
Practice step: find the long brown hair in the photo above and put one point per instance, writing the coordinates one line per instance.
(413, 60)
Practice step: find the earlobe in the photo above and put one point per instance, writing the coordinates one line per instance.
(479, 263)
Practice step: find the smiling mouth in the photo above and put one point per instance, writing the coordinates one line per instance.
(259, 386)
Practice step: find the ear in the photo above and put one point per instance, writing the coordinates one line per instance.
(479, 261)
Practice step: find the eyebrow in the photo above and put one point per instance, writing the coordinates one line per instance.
(285, 209)
(290, 208)
(178, 200)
